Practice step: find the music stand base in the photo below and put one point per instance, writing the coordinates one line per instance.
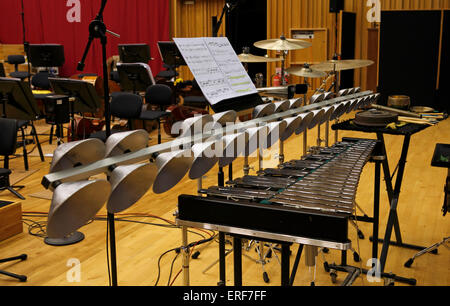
(21, 278)
(69, 240)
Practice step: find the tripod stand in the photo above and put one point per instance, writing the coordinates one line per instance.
(21, 278)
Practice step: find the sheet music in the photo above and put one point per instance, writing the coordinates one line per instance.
(216, 67)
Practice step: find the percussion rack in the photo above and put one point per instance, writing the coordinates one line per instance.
(51, 180)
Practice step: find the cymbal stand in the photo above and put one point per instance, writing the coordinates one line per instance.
(284, 54)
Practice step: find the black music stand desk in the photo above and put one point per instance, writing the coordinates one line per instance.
(135, 77)
(18, 102)
(393, 190)
(82, 95)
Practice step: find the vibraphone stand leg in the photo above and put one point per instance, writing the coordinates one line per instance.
(185, 250)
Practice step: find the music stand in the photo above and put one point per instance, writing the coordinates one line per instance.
(170, 54)
(47, 55)
(135, 77)
(18, 100)
(84, 96)
(134, 53)
(18, 103)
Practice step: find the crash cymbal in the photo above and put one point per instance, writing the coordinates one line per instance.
(306, 72)
(339, 65)
(282, 44)
(250, 58)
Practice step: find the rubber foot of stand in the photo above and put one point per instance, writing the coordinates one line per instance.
(409, 263)
(72, 239)
(266, 277)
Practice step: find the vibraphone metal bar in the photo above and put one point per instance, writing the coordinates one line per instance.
(294, 208)
(102, 166)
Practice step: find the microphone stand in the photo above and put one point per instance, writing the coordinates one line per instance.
(97, 29)
(26, 45)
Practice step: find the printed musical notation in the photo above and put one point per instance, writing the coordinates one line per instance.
(216, 67)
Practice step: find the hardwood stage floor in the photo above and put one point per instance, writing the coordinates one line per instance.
(139, 245)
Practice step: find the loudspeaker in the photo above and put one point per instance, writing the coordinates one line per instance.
(336, 6)
(57, 109)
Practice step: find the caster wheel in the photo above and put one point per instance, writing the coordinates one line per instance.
(325, 250)
(356, 257)
(269, 254)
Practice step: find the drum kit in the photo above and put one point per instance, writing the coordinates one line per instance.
(328, 69)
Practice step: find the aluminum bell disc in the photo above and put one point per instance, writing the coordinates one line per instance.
(317, 98)
(74, 204)
(255, 135)
(293, 124)
(347, 105)
(205, 158)
(235, 145)
(194, 125)
(339, 111)
(328, 95)
(318, 114)
(283, 106)
(329, 110)
(295, 103)
(342, 92)
(82, 152)
(126, 142)
(172, 167)
(362, 102)
(263, 110)
(354, 104)
(129, 184)
(225, 117)
(351, 91)
(276, 129)
(306, 120)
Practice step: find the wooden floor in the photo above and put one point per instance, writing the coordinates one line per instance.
(140, 245)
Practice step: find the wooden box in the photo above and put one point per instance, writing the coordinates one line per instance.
(10, 220)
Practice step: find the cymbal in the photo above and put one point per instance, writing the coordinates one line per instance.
(250, 58)
(306, 72)
(282, 44)
(339, 65)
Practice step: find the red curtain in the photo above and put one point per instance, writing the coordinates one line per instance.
(46, 21)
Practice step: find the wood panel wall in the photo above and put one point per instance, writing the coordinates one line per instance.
(191, 20)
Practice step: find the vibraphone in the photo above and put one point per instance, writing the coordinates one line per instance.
(308, 202)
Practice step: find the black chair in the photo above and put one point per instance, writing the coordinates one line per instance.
(198, 100)
(40, 80)
(161, 96)
(8, 145)
(2, 70)
(124, 105)
(16, 60)
(167, 74)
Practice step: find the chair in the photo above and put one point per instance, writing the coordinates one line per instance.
(2, 70)
(160, 95)
(167, 74)
(16, 60)
(8, 145)
(124, 105)
(197, 100)
(40, 80)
